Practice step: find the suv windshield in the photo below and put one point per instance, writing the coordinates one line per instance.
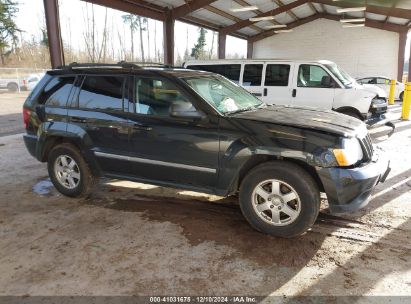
(342, 76)
(224, 95)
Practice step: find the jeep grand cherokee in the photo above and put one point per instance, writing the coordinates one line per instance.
(199, 131)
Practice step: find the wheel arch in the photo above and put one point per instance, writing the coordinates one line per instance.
(258, 159)
(344, 110)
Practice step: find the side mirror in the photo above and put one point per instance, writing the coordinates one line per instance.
(327, 82)
(183, 109)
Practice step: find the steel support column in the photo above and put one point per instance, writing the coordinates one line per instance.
(401, 54)
(54, 33)
(168, 36)
(221, 45)
(250, 48)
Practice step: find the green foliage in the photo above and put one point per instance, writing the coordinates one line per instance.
(198, 50)
(8, 28)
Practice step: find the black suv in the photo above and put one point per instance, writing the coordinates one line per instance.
(199, 131)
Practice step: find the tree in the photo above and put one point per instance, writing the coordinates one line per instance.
(198, 50)
(8, 28)
(136, 23)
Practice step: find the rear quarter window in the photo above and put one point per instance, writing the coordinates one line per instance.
(57, 91)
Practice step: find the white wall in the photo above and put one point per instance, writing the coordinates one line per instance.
(360, 51)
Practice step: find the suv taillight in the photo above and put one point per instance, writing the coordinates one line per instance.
(26, 117)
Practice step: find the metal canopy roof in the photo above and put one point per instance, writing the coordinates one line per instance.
(391, 15)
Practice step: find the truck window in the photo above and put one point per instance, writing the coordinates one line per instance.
(102, 92)
(310, 76)
(277, 75)
(252, 74)
(58, 90)
(230, 71)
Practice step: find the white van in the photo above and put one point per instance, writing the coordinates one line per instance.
(320, 84)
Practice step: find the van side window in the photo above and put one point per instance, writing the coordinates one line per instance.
(230, 71)
(252, 74)
(102, 92)
(155, 96)
(311, 76)
(56, 92)
(277, 75)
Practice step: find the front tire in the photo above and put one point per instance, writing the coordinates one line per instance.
(401, 96)
(69, 171)
(280, 198)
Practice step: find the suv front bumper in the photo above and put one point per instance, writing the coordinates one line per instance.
(350, 189)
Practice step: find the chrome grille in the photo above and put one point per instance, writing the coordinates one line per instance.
(367, 147)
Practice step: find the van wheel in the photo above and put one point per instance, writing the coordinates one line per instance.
(402, 96)
(69, 171)
(280, 198)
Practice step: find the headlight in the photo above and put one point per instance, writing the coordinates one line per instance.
(350, 154)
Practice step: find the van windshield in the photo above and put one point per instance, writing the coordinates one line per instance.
(225, 96)
(341, 75)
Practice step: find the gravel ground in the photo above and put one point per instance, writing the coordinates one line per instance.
(134, 239)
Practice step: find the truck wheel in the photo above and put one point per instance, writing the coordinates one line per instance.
(280, 198)
(69, 171)
(401, 96)
(12, 87)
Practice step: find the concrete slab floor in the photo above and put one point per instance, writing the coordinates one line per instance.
(134, 239)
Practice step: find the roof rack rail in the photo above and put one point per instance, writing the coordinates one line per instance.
(121, 64)
(148, 64)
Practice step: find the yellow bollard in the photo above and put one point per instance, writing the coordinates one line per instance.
(406, 103)
(392, 92)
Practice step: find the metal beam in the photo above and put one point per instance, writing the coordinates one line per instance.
(229, 16)
(131, 8)
(313, 7)
(274, 12)
(291, 25)
(54, 33)
(168, 37)
(374, 24)
(380, 10)
(189, 7)
(221, 45)
(401, 55)
(257, 12)
(289, 13)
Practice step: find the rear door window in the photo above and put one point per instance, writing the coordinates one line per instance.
(252, 74)
(277, 75)
(102, 92)
(230, 71)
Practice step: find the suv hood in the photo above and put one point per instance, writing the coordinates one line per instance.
(307, 118)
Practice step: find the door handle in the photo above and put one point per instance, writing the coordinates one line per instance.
(257, 94)
(137, 126)
(78, 119)
(294, 93)
(265, 91)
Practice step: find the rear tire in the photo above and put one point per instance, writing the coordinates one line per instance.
(69, 172)
(401, 96)
(289, 202)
